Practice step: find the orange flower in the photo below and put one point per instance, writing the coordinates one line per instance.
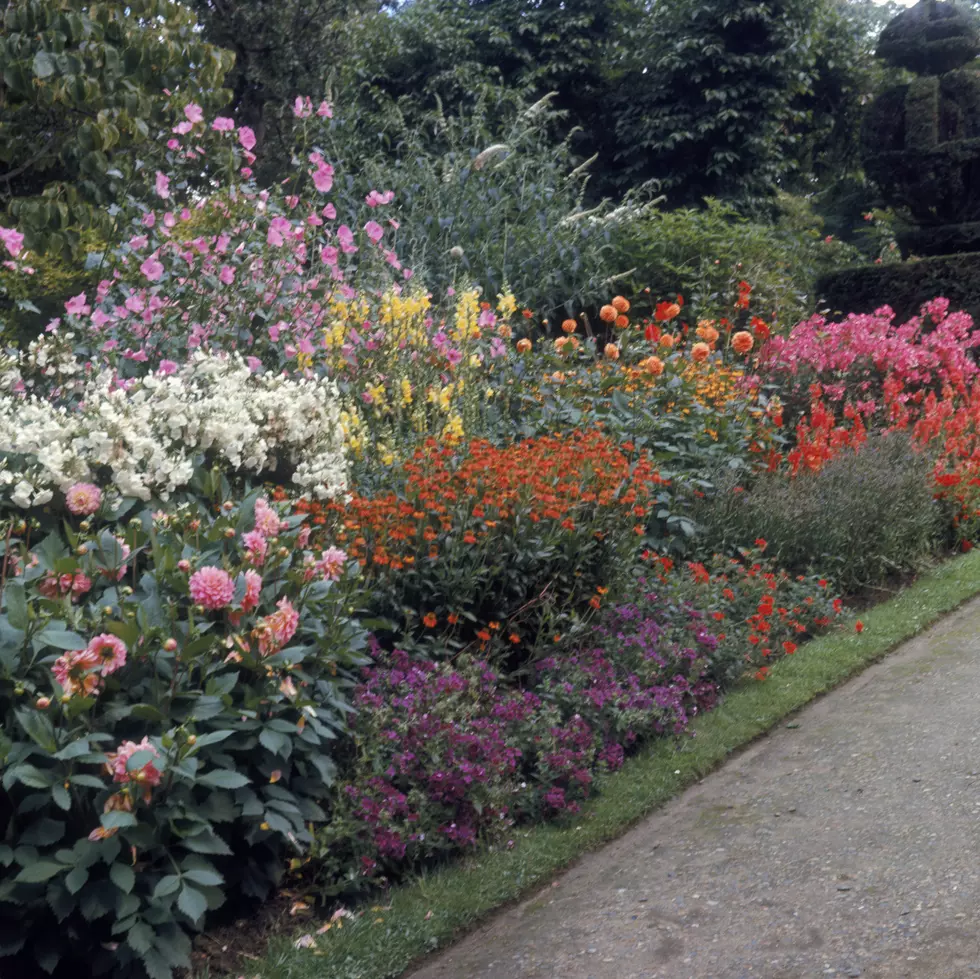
(611, 351)
(700, 352)
(622, 322)
(667, 340)
(430, 620)
(652, 365)
(469, 537)
(452, 618)
(706, 331)
(760, 327)
(523, 345)
(742, 342)
(666, 311)
(608, 314)
(483, 635)
(595, 602)
(569, 325)
(621, 304)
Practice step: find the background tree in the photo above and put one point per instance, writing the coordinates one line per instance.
(83, 91)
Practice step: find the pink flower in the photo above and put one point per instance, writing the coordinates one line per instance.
(13, 240)
(246, 137)
(331, 564)
(194, 112)
(212, 587)
(181, 129)
(57, 586)
(266, 519)
(255, 547)
(73, 671)
(302, 107)
(329, 255)
(323, 178)
(374, 231)
(152, 269)
(76, 306)
(274, 631)
(325, 110)
(253, 589)
(109, 651)
(346, 238)
(227, 275)
(303, 537)
(83, 499)
(147, 774)
(167, 367)
(162, 185)
(376, 199)
(222, 124)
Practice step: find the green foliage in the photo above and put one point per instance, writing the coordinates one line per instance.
(864, 517)
(500, 205)
(707, 108)
(82, 97)
(703, 254)
(157, 755)
(905, 286)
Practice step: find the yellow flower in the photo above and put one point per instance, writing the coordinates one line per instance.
(506, 304)
(406, 391)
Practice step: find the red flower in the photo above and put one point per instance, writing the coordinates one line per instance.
(430, 620)
(789, 647)
(859, 626)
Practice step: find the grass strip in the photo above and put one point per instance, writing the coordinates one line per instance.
(430, 911)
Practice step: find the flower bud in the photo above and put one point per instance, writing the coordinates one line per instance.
(85, 525)
(135, 523)
(229, 532)
(228, 506)
(283, 552)
(170, 645)
(184, 566)
(126, 590)
(43, 703)
(192, 740)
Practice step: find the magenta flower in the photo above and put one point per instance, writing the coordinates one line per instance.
(222, 124)
(193, 112)
(76, 306)
(255, 547)
(325, 110)
(152, 269)
(227, 275)
(212, 587)
(331, 564)
(83, 499)
(374, 231)
(162, 185)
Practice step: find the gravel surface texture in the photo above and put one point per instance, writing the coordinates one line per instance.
(843, 844)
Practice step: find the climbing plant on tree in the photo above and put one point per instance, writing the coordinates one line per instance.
(83, 89)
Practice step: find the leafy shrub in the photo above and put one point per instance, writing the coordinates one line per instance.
(861, 517)
(170, 692)
(523, 536)
(450, 755)
(704, 253)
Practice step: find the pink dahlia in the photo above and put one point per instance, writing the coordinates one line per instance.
(255, 545)
(266, 519)
(274, 631)
(109, 650)
(73, 671)
(57, 586)
(253, 588)
(147, 774)
(332, 563)
(212, 587)
(83, 499)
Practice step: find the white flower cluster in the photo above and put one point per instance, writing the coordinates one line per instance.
(146, 437)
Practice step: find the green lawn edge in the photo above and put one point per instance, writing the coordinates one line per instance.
(429, 912)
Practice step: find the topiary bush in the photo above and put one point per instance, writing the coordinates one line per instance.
(170, 691)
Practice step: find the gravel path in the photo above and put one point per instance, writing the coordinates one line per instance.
(844, 844)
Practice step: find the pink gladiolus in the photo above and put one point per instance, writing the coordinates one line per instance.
(212, 587)
(194, 112)
(162, 185)
(83, 499)
(222, 124)
(246, 137)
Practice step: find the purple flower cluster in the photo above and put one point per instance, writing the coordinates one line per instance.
(450, 754)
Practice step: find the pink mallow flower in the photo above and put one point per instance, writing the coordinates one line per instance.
(162, 185)
(222, 124)
(212, 587)
(12, 240)
(83, 499)
(274, 631)
(77, 306)
(194, 112)
(109, 651)
(246, 136)
(147, 774)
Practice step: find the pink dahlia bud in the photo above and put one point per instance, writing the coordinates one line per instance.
(83, 499)
(213, 588)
